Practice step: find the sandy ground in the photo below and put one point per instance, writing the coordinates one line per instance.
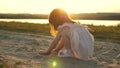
(22, 50)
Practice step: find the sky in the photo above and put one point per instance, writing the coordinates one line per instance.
(71, 6)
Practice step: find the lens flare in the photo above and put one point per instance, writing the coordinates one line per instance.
(54, 63)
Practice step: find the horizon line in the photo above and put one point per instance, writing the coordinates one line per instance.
(69, 13)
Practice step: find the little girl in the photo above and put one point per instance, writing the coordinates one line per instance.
(71, 39)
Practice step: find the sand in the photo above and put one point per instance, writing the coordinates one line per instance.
(22, 50)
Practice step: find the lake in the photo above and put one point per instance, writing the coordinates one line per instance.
(45, 21)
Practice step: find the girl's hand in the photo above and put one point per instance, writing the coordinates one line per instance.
(44, 52)
(54, 52)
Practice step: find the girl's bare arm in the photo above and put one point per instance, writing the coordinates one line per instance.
(59, 47)
(52, 46)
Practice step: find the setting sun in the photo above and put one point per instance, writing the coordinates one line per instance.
(71, 6)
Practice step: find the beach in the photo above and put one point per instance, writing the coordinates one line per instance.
(21, 50)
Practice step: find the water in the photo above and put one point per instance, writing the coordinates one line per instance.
(42, 21)
(45, 21)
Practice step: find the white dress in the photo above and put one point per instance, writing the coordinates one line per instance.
(78, 41)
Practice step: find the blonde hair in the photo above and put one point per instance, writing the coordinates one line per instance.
(57, 16)
(52, 30)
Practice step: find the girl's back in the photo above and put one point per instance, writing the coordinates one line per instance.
(82, 41)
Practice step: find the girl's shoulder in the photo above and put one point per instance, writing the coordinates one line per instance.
(69, 26)
(64, 26)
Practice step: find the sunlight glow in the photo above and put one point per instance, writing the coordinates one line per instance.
(54, 63)
(71, 6)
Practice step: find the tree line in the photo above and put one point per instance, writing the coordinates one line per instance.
(88, 16)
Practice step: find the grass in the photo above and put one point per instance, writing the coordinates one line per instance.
(106, 33)
(25, 27)
(102, 33)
